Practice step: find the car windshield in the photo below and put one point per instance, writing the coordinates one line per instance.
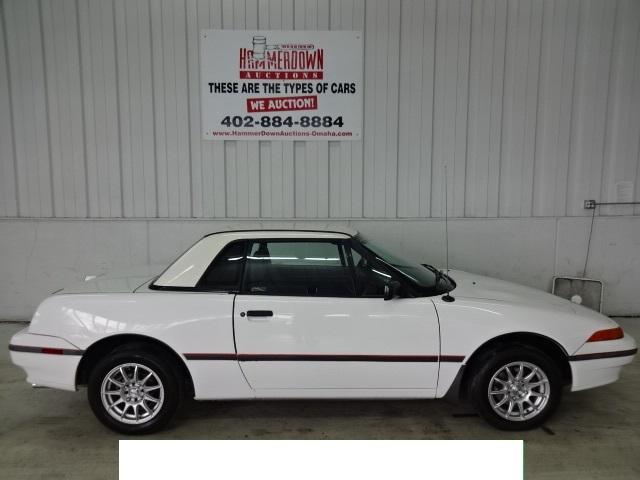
(424, 277)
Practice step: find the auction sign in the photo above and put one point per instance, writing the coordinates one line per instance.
(281, 85)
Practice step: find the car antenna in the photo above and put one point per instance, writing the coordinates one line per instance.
(446, 297)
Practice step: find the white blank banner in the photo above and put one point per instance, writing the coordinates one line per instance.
(320, 459)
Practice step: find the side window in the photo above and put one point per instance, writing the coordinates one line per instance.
(370, 278)
(309, 268)
(224, 273)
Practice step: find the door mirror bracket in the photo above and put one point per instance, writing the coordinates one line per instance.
(392, 290)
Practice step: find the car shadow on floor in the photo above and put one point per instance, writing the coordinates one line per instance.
(331, 419)
(436, 419)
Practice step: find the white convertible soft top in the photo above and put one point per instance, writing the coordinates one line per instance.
(189, 267)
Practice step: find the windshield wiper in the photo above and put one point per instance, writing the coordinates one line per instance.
(439, 275)
(433, 269)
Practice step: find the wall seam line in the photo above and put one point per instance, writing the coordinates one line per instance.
(398, 107)
(607, 111)
(118, 111)
(500, 145)
(153, 113)
(46, 113)
(466, 143)
(433, 105)
(537, 112)
(572, 109)
(11, 107)
(189, 149)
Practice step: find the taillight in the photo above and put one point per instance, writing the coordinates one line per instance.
(609, 334)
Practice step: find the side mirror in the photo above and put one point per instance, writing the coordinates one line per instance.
(391, 290)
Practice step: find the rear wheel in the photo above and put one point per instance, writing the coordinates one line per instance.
(517, 388)
(134, 392)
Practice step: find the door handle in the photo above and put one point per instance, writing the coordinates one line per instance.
(259, 313)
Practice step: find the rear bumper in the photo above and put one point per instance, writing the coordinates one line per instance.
(600, 363)
(48, 361)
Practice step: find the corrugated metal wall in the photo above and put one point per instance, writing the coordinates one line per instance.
(533, 105)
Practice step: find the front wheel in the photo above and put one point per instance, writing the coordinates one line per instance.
(133, 392)
(517, 388)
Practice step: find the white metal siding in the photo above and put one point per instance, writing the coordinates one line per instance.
(533, 105)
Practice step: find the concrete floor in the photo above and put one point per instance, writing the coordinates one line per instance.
(52, 434)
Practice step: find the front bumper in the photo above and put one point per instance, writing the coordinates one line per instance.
(48, 361)
(600, 363)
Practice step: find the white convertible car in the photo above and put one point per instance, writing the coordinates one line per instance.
(314, 314)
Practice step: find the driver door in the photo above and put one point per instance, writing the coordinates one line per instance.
(310, 317)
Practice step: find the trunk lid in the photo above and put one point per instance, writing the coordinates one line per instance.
(124, 281)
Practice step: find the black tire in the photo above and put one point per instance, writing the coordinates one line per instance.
(148, 361)
(493, 363)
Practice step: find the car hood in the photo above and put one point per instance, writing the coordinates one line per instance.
(125, 281)
(469, 285)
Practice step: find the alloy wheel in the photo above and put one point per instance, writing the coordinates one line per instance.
(132, 393)
(519, 391)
